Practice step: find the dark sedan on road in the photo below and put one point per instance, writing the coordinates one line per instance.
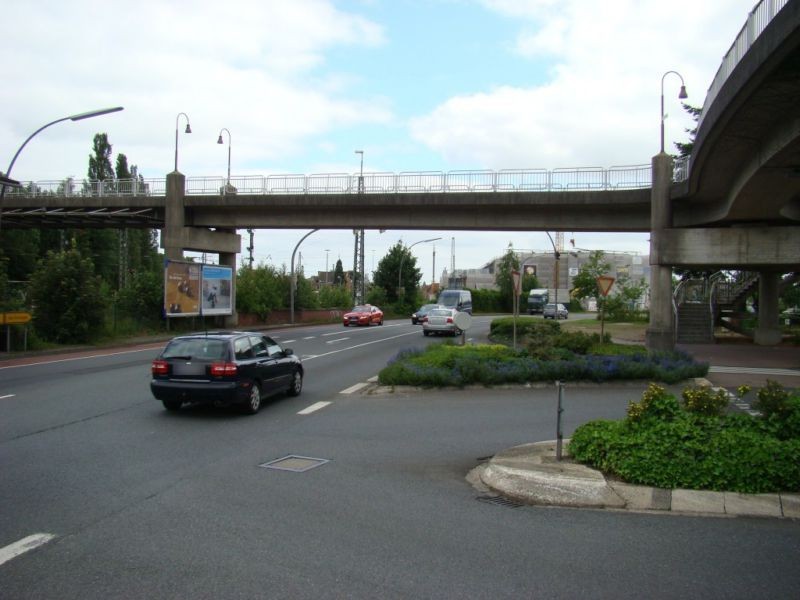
(224, 368)
(422, 313)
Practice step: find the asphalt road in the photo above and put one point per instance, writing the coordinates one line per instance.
(143, 503)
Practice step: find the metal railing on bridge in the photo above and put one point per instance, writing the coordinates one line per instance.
(507, 180)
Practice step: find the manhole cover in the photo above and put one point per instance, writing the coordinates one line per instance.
(296, 464)
(500, 501)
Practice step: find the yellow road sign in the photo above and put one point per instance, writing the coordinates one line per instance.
(15, 318)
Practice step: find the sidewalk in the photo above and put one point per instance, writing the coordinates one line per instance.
(530, 474)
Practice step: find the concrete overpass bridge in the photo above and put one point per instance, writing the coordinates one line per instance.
(735, 204)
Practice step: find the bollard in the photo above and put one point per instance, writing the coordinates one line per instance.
(559, 430)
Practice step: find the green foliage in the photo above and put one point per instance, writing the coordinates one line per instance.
(100, 159)
(685, 149)
(689, 450)
(504, 279)
(655, 403)
(335, 296)
(780, 409)
(338, 274)
(584, 284)
(388, 274)
(487, 301)
(772, 399)
(143, 297)
(67, 298)
(703, 400)
(260, 290)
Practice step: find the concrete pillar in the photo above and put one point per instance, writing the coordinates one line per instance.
(660, 333)
(768, 331)
(228, 259)
(174, 216)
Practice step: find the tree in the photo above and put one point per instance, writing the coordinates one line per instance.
(504, 279)
(259, 290)
(584, 284)
(685, 149)
(100, 159)
(388, 275)
(338, 273)
(67, 297)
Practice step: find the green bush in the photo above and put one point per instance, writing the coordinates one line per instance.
(705, 401)
(772, 399)
(661, 445)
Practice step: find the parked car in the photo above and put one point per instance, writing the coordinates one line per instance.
(365, 314)
(442, 321)
(555, 311)
(224, 368)
(422, 313)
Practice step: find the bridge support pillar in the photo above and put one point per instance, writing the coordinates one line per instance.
(228, 259)
(174, 217)
(660, 333)
(768, 331)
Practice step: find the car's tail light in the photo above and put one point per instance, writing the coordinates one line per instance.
(449, 319)
(424, 319)
(222, 369)
(160, 367)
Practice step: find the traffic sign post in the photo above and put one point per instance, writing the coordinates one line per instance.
(515, 279)
(15, 318)
(604, 283)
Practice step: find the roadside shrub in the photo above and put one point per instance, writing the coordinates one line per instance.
(663, 446)
(772, 399)
(576, 341)
(703, 400)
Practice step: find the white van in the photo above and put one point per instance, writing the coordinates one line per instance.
(461, 300)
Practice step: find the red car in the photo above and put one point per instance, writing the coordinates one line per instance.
(365, 314)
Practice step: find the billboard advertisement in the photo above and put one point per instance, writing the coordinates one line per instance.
(193, 289)
(217, 289)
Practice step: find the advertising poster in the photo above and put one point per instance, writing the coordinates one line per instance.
(217, 290)
(181, 289)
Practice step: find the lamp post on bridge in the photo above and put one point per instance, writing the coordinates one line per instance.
(219, 141)
(187, 130)
(681, 95)
(77, 117)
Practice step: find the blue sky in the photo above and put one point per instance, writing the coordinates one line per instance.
(431, 85)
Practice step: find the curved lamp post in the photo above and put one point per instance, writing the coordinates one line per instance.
(292, 282)
(78, 117)
(219, 141)
(187, 130)
(682, 95)
(403, 257)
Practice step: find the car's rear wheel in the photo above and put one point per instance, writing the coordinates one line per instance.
(172, 405)
(253, 403)
(296, 386)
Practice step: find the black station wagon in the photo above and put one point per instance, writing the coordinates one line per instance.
(224, 368)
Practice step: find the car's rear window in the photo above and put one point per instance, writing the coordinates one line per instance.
(440, 312)
(198, 348)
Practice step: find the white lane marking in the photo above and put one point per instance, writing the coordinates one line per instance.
(755, 371)
(394, 337)
(314, 407)
(288, 341)
(354, 388)
(60, 360)
(311, 337)
(331, 333)
(24, 545)
(6, 396)
(337, 341)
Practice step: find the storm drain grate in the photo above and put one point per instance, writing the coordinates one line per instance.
(296, 464)
(499, 501)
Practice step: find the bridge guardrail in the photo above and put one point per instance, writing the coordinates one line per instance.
(506, 180)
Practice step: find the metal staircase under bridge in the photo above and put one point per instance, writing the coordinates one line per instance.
(700, 304)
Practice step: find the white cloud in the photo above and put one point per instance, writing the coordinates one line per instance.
(600, 106)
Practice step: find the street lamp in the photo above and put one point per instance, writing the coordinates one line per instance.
(326, 265)
(188, 130)
(682, 95)
(556, 257)
(403, 257)
(292, 279)
(78, 117)
(219, 141)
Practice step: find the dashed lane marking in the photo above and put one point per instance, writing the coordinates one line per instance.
(7, 396)
(288, 341)
(310, 337)
(24, 545)
(313, 408)
(337, 341)
(378, 341)
(354, 388)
